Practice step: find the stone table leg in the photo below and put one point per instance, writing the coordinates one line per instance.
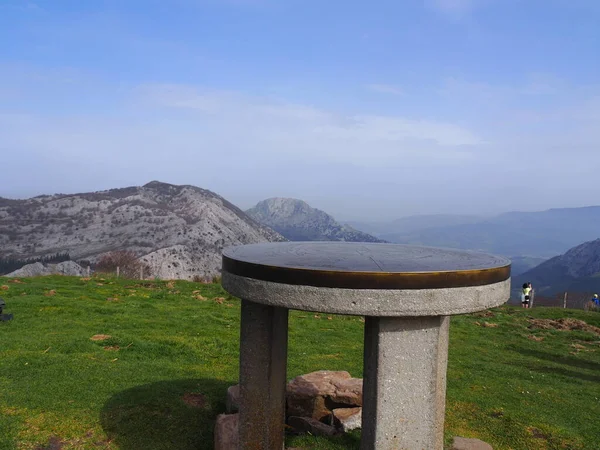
(263, 358)
(404, 383)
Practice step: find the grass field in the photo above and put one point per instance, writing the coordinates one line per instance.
(160, 379)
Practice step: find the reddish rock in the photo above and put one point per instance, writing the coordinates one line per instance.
(312, 426)
(348, 392)
(461, 443)
(226, 432)
(346, 419)
(316, 394)
(232, 403)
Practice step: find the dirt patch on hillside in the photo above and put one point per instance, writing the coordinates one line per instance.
(100, 337)
(563, 325)
(195, 400)
(54, 443)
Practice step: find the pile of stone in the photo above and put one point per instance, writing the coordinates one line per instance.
(323, 403)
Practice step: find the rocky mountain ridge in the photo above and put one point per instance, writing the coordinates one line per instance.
(179, 231)
(576, 270)
(296, 220)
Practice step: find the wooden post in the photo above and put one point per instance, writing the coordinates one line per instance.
(88, 271)
(565, 301)
(532, 296)
(141, 272)
(117, 271)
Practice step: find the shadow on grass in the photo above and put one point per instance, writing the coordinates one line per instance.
(568, 373)
(565, 360)
(177, 414)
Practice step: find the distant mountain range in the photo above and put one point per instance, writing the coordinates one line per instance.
(179, 231)
(525, 234)
(578, 270)
(296, 220)
(416, 223)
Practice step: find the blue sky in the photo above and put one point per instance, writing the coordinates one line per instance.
(365, 109)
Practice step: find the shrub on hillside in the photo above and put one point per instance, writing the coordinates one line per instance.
(127, 261)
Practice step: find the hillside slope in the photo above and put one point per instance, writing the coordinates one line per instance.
(578, 270)
(180, 230)
(298, 221)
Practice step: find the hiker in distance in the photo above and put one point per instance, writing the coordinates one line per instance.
(526, 295)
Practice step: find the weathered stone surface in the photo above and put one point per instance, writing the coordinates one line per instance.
(316, 394)
(70, 268)
(37, 269)
(232, 404)
(312, 426)
(346, 419)
(369, 302)
(226, 432)
(461, 443)
(30, 270)
(263, 358)
(405, 382)
(348, 392)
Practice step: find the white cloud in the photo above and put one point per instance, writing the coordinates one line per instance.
(385, 89)
(271, 118)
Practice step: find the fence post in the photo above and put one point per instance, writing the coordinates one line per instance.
(532, 296)
(141, 272)
(117, 271)
(565, 301)
(88, 271)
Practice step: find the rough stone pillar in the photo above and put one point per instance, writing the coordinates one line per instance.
(404, 390)
(263, 358)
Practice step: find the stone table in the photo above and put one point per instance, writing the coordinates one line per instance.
(406, 294)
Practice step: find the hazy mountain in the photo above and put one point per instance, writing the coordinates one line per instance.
(297, 221)
(180, 230)
(521, 264)
(411, 224)
(535, 234)
(578, 270)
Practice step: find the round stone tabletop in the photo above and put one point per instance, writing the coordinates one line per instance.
(353, 265)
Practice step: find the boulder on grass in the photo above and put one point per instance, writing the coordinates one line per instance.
(312, 426)
(317, 394)
(346, 419)
(232, 403)
(226, 432)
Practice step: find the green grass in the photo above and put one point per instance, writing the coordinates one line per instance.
(58, 387)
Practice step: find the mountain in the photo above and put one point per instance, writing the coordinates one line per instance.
(534, 234)
(521, 264)
(578, 270)
(179, 231)
(411, 224)
(297, 221)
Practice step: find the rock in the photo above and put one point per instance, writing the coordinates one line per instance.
(70, 268)
(316, 394)
(38, 269)
(312, 426)
(348, 392)
(461, 443)
(297, 221)
(347, 419)
(232, 404)
(226, 432)
(30, 270)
